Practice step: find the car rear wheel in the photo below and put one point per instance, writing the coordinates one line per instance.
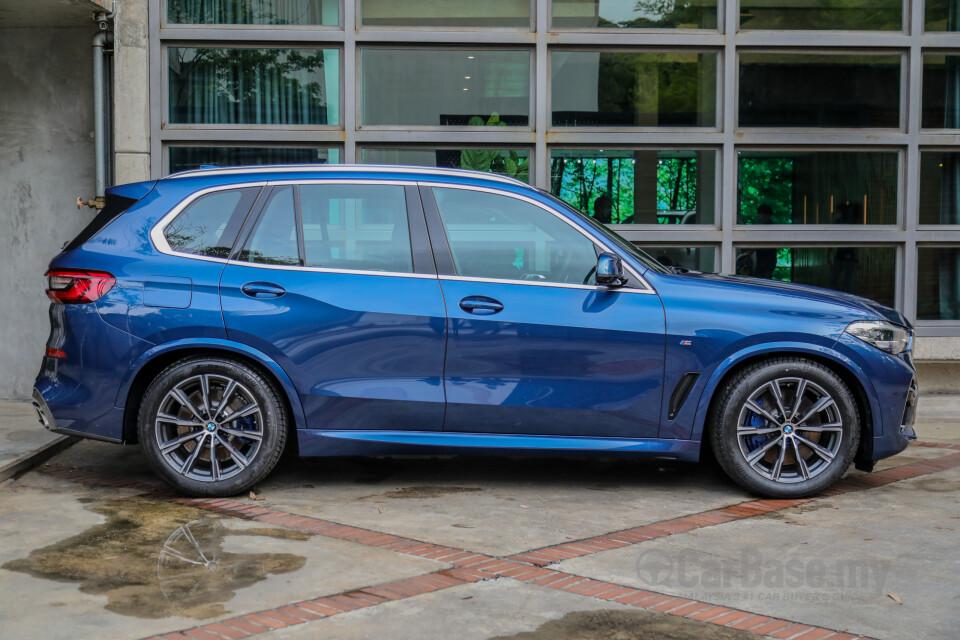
(212, 427)
(785, 428)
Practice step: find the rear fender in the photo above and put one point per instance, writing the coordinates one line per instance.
(189, 346)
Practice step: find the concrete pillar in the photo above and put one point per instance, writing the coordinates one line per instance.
(131, 93)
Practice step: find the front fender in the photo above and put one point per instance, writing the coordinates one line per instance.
(215, 344)
(783, 348)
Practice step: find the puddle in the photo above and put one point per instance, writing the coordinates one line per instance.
(422, 492)
(618, 624)
(155, 559)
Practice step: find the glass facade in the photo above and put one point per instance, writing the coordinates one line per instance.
(941, 91)
(190, 157)
(509, 162)
(817, 187)
(246, 86)
(444, 88)
(254, 12)
(786, 140)
(633, 89)
(819, 90)
(846, 15)
(637, 186)
(634, 14)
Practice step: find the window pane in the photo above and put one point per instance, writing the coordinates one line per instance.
(493, 236)
(209, 226)
(938, 283)
(941, 91)
(437, 87)
(361, 227)
(817, 187)
(869, 272)
(852, 15)
(692, 258)
(269, 12)
(254, 86)
(448, 13)
(274, 240)
(183, 158)
(819, 90)
(631, 14)
(942, 15)
(514, 163)
(637, 186)
(624, 89)
(939, 187)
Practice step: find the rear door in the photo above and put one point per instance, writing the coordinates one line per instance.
(336, 282)
(534, 345)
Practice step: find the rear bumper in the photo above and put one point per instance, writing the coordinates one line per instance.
(112, 420)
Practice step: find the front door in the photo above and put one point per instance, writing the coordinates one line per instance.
(327, 285)
(534, 346)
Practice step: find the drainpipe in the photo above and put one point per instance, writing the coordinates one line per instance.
(101, 42)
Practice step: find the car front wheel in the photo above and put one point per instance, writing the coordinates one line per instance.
(211, 426)
(785, 428)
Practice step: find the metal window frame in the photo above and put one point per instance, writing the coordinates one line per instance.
(727, 40)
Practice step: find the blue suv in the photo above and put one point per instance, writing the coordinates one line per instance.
(215, 315)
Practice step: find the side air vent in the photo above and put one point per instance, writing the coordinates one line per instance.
(681, 392)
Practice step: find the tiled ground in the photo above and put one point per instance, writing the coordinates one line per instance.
(92, 546)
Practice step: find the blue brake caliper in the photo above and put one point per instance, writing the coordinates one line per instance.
(756, 420)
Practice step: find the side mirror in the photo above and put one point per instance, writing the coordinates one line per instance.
(610, 270)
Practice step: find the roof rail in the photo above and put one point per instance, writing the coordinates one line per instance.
(339, 168)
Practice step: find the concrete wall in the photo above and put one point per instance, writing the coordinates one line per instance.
(46, 161)
(131, 99)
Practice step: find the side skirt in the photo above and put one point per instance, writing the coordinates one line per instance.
(319, 442)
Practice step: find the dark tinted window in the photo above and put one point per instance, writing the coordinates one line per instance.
(210, 224)
(274, 240)
(359, 227)
(819, 90)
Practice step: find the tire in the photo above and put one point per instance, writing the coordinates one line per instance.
(775, 447)
(203, 446)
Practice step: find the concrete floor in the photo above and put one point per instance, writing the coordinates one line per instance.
(92, 546)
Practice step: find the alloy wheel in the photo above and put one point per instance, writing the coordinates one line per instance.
(790, 430)
(209, 427)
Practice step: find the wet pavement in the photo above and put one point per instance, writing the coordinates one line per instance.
(93, 546)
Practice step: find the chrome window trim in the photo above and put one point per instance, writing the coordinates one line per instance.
(597, 243)
(348, 168)
(159, 240)
(555, 285)
(355, 272)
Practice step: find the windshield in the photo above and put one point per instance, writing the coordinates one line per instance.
(628, 247)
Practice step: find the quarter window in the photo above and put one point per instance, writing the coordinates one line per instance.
(210, 224)
(504, 238)
(357, 227)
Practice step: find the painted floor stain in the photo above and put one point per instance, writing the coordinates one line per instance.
(154, 559)
(619, 624)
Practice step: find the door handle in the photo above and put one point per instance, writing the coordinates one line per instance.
(263, 290)
(481, 305)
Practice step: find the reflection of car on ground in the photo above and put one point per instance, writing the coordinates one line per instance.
(216, 315)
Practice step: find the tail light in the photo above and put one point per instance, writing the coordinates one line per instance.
(76, 286)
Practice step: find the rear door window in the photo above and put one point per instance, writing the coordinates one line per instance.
(210, 224)
(361, 227)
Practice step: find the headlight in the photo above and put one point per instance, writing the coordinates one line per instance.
(885, 336)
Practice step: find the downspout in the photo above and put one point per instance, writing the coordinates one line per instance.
(101, 43)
